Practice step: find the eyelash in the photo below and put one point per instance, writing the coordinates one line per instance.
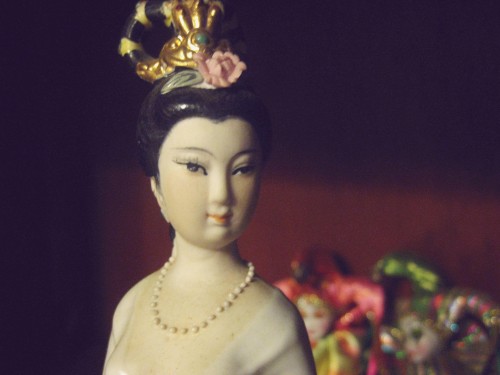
(246, 169)
(194, 167)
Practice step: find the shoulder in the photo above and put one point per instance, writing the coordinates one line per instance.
(127, 305)
(276, 303)
(123, 314)
(278, 341)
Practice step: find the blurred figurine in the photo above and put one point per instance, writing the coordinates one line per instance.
(317, 313)
(437, 331)
(341, 313)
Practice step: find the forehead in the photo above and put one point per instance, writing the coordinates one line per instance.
(232, 134)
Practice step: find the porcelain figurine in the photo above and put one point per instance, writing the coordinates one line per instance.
(204, 138)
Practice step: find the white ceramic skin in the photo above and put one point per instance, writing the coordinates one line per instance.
(209, 178)
(209, 183)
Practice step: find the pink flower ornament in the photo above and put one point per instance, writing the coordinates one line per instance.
(221, 70)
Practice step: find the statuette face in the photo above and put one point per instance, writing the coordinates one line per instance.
(318, 317)
(422, 342)
(209, 176)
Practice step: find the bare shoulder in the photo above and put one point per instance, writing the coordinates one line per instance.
(274, 303)
(278, 324)
(271, 294)
(127, 304)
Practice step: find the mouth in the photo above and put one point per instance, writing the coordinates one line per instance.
(220, 219)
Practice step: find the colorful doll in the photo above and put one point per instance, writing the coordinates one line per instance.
(341, 313)
(438, 330)
(335, 352)
(203, 141)
(317, 313)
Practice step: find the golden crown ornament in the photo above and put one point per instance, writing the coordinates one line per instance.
(197, 29)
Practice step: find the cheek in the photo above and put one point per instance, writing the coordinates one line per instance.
(181, 197)
(245, 208)
(317, 323)
(316, 327)
(324, 324)
(247, 193)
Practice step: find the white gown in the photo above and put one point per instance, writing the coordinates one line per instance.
(273, 342)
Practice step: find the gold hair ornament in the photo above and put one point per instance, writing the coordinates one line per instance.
(196, 25)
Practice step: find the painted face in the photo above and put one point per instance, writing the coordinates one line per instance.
(317, 317)
(209, 176)
(421, 342)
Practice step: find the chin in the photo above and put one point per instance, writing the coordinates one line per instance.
(221, 237)
(216, 242)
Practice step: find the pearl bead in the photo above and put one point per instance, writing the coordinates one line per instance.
(204, 324)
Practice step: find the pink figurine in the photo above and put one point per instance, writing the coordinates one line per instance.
(337, 310)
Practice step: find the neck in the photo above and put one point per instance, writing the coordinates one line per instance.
(193, 263)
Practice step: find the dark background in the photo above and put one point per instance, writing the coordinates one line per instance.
(399, 93)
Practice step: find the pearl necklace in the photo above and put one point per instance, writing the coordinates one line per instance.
(231, 298)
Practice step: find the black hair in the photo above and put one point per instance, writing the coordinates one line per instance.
(160, 112)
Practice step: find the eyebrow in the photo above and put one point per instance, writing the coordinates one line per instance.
(248, 151)
(199, 149)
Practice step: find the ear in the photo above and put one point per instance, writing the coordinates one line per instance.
(159, 197)
(156, 192)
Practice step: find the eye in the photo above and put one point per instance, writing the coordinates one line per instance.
(195, 167)
(246, 169)
(192, 166)
(416, 333)
(320, 313)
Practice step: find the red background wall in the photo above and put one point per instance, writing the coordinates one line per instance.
(457, 230)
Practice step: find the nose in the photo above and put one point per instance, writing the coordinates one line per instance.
(220, 193)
